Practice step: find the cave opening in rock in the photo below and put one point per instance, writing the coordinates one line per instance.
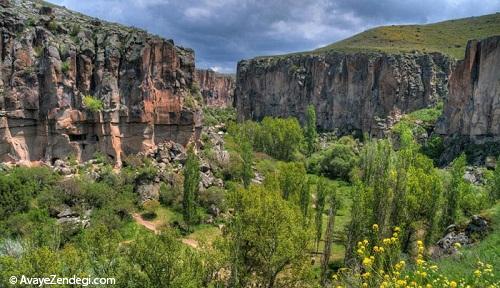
(77, 137)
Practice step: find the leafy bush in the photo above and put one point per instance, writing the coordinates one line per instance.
(336, 161)
(52, 26)
(19, 185)
(473, 199)
(75, 29)
(433, 148)
(150, 208)
(212, 196)
(14, 196)
(92, 103)
(214, 116)
(65, 66)
(278, 137)
(171, 195)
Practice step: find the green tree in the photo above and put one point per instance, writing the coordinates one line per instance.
(452, 193)
(280, 138)
(325, 259)
(246, 154)
(357, 227)
(191, 188)
(321, 192)
(273, 243)
(305, 199)
(310, 132)
(377, 174)
(291, 177)
(163, 261)
(336, 161)
(495, 183)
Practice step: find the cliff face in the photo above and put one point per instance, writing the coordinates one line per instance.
(51, 58)
(351, 92)
(473, 106)
(217, 89)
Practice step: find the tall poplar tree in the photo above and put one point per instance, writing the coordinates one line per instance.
(191, 187)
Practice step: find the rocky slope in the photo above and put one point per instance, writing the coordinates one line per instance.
(363, 92)
(217, 89)
(51, 58)
(472, 110)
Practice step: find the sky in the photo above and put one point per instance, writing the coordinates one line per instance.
(222, 32)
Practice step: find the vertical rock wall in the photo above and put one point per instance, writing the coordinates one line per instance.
(217, 89)
(52, 58)
(362, 92)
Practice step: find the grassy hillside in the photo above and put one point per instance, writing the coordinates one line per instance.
(449, 37)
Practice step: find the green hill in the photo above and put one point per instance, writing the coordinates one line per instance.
(449, 37)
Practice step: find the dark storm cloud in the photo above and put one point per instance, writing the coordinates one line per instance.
(225, 31)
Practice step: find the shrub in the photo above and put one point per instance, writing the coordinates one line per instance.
(433, 148)
(150, 208)
(336, 161)
(65, 66)
(52, 26)
(171, 195)
(381, 266)
(93, 104)
(278, 137)
(212, 196)
(473, 199)
(214, 116)
(75, 29)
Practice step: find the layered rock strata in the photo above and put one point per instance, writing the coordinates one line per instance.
(217, 89)
(360, 92)
(51, 59)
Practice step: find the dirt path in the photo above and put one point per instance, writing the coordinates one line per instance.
(147, 224)
(152, 227)
(190, 242)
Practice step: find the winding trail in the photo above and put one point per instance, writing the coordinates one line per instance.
(152, 227)
(147, 224)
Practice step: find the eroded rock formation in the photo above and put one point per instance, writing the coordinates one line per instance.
(351, 92)
(51, 58)
(217, 89)
(473, 106)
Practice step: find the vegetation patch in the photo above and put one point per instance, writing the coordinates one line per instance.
(92, 104)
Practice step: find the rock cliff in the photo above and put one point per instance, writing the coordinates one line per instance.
(473, 106)
(51, 58)
(363, 92)
(472, 111)
(217, 89)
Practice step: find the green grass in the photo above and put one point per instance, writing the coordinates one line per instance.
(205, 233)
(487, 251)
(165, 216)
(449, 37)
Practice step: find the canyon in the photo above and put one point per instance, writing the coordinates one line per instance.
(216, 89)
(149, 91)
(52, 58)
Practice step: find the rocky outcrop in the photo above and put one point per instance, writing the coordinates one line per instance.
(351, 92)
(217, 89)
(456, 237)
(52, 58)
(472, 110)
